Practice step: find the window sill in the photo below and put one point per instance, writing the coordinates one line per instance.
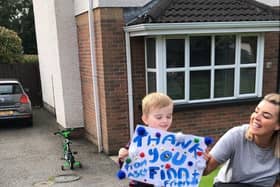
(234, 102)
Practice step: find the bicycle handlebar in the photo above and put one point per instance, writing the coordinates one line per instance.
(65, 133)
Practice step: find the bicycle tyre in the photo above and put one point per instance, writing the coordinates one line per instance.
(72, 161)
(71, 165)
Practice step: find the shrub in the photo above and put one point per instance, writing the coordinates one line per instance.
(30, 59)
(11, 46)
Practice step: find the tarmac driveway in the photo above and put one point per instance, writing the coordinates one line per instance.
(30, 156)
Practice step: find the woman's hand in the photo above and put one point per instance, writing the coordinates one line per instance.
(211, 163)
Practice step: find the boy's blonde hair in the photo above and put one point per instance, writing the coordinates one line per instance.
(155, 100)
(273, 98)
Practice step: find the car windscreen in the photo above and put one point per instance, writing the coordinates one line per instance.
(7, 89)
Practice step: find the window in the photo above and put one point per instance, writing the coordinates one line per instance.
(205, 68)
(12, 88)
(151, 64)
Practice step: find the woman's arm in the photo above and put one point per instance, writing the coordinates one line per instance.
(211, 164)
(277, 182)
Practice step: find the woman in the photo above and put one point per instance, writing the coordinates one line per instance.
(251, 152)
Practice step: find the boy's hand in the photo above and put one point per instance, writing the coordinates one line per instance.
(206, 155)
(123, 153)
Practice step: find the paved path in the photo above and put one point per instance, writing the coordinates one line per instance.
(30, 156)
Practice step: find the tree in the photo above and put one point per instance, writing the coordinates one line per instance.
(10, 48)
(18, 15)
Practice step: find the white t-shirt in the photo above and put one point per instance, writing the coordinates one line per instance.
(245, 162)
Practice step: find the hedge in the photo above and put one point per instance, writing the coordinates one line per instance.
(11, 46)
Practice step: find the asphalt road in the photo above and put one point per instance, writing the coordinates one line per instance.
(31, 156)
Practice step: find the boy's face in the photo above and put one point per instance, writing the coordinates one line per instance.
(159, 118)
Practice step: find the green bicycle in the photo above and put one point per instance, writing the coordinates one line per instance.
(69, 158)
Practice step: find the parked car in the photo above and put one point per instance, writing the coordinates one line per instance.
(14, 102)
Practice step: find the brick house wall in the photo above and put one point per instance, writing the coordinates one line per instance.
(212, 120)
(138, 71)
(111, 76)
(86, 77)
(271, 55)
(110, 54)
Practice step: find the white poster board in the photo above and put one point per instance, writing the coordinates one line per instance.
(164, 158)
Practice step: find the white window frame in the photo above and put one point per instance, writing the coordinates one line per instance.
(161, 70)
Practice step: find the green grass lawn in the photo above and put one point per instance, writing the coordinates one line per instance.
(207, 181)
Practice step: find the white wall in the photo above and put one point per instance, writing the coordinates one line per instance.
(69, 63)
(122, 3)
(58, 54)
(270, 2)
(82, 6)
(48, 56)
(58, 59)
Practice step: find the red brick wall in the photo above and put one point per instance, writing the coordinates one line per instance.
(110, 54)
(111, 76)
(86, 77)
(271, 55)
(211, 121)
(139, 81)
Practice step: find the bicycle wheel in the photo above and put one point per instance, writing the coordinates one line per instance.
(71, 161)
(71, 165)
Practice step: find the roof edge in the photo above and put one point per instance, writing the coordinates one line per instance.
(201, 28)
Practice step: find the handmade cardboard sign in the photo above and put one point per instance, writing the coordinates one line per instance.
(165, 159)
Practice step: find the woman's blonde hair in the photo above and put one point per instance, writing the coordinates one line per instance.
(273, 98)
(155, 100)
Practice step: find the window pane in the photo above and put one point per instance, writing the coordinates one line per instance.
(176, 85)
(175, 53)
(151, 53)
(224, 83)
(247, 80)
(199, 85)
(224, 50)
(152, 85)
(200, 51)
(248, 49)
(10, 89)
